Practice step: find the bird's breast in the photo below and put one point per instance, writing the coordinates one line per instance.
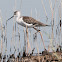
(21, 22)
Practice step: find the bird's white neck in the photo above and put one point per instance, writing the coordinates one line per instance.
(18, 15)
(19, 19)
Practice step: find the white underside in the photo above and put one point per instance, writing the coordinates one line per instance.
(22, 23)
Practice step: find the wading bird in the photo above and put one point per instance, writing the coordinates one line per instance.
(27, 21)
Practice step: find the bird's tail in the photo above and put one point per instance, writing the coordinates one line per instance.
(41, 24)
(47, 25)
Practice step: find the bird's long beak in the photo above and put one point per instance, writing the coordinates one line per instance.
(10, 17)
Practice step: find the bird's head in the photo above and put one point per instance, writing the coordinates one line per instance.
(16, 13)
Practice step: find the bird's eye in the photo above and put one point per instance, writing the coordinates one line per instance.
(15, 12)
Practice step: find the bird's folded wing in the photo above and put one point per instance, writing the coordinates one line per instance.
(33, 21)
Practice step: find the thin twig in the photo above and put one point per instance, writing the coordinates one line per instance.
(1, 34)
(44, 9)
(24, 41)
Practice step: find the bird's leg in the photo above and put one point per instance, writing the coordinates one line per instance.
(41, 36)
(27, 38)
(28, 44)
(36, 29)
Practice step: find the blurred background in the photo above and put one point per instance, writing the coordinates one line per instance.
(12, 35)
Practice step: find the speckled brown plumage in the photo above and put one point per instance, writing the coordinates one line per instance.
(33, 21)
